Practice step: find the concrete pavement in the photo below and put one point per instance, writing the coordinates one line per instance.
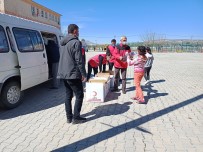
(171, 120)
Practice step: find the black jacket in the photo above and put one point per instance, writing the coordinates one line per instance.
(71, 65)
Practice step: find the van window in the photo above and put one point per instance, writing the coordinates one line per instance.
(11, 40)
(36, 40)
(3, 41)
(28, 40)
(50, 36)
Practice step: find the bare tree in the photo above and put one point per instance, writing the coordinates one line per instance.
(148, 38)
(154, 40)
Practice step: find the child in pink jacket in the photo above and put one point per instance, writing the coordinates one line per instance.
(139, 63)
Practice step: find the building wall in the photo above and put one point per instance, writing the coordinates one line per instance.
(32, 11)
(2, 6)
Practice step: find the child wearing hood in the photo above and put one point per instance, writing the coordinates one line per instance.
(148, 65)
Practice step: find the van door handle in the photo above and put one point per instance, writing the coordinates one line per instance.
(43, 55)
(17, 66)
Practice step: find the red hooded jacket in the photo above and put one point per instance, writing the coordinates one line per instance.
(94, 61)
(110, 51)
(120, 51)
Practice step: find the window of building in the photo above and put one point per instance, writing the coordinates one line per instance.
(42, 13)
(59, 21)
(28, 40)
(3, 41)
(37, 12)
(45, 14)
(55, 19)
(33, 10)
(49, 16)
(52, 18)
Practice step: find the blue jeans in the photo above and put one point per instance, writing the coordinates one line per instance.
(73, 86)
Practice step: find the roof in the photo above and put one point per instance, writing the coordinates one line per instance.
(25, 23)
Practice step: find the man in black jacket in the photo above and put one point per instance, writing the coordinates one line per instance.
(72, 71)
(53, 56)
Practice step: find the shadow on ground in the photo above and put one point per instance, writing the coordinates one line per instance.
(151, 93)
(36, 99)
(107, 110)
(112, 95)
(104, 135)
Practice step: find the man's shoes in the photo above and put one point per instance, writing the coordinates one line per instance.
(115, 90)
(79, 120)
(69, 120)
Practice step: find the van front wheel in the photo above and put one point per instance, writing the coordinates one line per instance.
(11, 95)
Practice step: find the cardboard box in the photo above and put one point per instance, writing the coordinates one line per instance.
(99, 79)
(110, 72)
(103, 74)
(107, 88)
(112, 78)
(97, 91)
(102, 78)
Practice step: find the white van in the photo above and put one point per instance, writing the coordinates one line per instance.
(23, 58)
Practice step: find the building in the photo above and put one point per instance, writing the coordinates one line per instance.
(30, 10)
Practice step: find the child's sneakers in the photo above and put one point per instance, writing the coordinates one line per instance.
(134, 98)
(141, 101)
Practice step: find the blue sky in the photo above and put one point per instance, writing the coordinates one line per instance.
(102, 20)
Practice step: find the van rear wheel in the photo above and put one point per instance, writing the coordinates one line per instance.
(11, 95)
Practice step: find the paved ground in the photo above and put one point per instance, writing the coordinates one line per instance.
(172, 120)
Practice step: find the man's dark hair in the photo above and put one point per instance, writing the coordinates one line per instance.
(113, 40)
(72, 27)
(142, 50)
